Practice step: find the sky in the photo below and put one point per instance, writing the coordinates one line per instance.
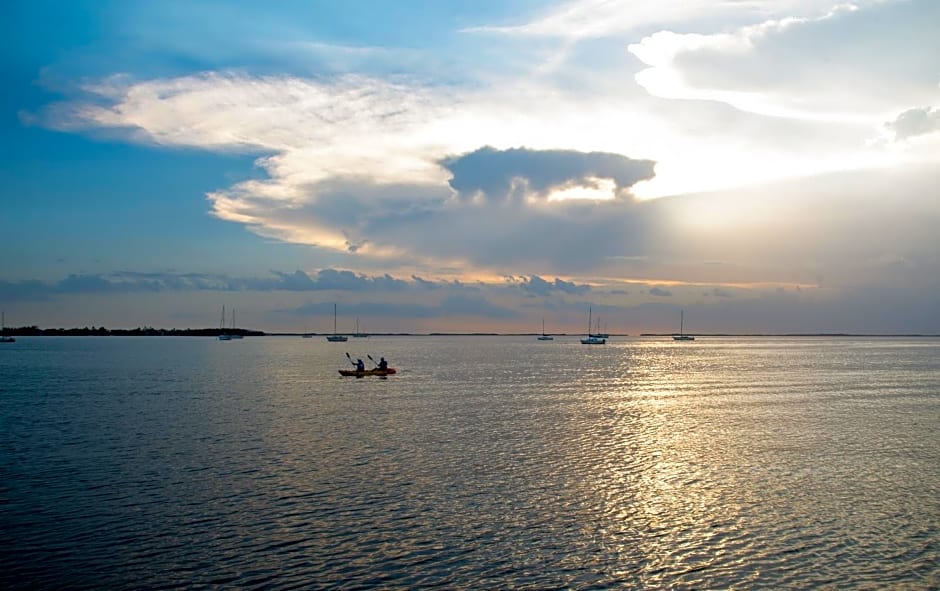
(768, 166)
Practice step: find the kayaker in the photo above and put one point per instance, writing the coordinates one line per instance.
(360, 366)
(383, 365)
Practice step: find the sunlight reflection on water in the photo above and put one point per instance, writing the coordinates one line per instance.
(488, 462)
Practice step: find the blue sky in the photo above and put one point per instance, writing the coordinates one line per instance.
(767, 166)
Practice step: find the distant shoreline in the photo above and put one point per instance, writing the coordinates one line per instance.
(25, 331)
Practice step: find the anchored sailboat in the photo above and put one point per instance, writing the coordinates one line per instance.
(223, 336)
(597, 333)
(357, 334)
(682, 336)
(3, 329)
(235, 334)
(336, 338)
(545, 337)
(592, 339)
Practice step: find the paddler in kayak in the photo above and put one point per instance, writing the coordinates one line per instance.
(383, 365)
(360, 366)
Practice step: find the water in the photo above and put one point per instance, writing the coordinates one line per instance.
(488, 462)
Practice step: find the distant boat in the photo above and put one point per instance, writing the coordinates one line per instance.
(235, 334)
(545, 337)
(358, 334)
(336, 338)
(682, 336)
(597, 333)
(223, 336)
(592, 339)
(3, 328)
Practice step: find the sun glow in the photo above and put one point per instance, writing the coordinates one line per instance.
(598, 190)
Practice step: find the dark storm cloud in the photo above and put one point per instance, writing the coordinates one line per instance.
(493, 173)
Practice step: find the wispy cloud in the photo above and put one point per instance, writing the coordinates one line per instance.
(587, 19)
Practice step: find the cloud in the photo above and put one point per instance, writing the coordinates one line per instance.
(660, 292)
(589, 19)
(501, 174)
(504, 191)
(538, 286)
(914, 122)
(856, 228)
(350, 281)
(135, 282)
(330, 124)
(424, 283)
(296, 281)
(848, 65)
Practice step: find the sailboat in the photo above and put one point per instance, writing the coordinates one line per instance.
(592, 339)
(358, 334)
(223, 336)
(235, 335)
(545, 337)
(597, 333)
(3, 328)
(335, 338)
(682, 336)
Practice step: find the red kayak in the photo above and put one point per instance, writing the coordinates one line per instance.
(367, 372)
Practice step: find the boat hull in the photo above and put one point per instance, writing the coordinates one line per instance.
(368, 372)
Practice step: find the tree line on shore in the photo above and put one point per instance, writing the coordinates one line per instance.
(145, 331)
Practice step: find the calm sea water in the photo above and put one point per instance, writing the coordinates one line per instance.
(487, 463)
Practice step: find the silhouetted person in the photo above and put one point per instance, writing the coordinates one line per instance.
(383, 365)
(360, 366)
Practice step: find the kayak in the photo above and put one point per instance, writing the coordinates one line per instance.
(368, 372)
